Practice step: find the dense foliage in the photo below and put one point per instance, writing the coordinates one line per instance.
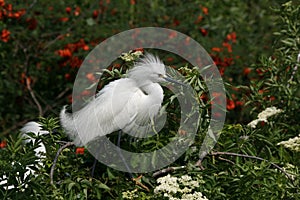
(255, 45)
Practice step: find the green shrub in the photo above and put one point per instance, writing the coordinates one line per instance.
(43, 44)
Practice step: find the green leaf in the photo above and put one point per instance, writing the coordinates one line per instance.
(103, 186)
(70, 185)
(110, 175)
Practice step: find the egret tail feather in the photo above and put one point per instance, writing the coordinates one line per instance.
(67, 123)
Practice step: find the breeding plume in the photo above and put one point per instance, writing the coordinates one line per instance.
(127, 104)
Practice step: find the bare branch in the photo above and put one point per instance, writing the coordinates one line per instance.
(33, 96)
(253, 157)
(294, 71)
(166, 170)
(227, 160)
(14, 127)
(56, 158)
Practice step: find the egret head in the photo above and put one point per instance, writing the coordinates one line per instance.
(149, 69)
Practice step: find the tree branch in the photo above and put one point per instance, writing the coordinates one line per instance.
(56, 158)
(254, 157)
(14, 127)
(33, 96)
(166, 170)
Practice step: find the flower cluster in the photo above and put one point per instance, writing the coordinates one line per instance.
(292, 143)
(3, 144)
(132, 55)
(68, 10)
(6, 11)
(183, 187)
(224, 61)
(264, 115)
(69, 50)
(200, 18)
(172, 188)
(223, 58)
(292, 170)
(80, 150)
(130, 194)
(5, 35)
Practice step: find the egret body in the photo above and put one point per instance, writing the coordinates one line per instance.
(125, 104)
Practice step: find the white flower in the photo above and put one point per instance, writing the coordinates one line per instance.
(185, 180)
(292, 143)
(170, 189)
(264, 115)
(183, 187)
(137, 53)
(194, 196)
(268, 112)
(173, 198)
(129, 194)
(194, 184)
(127, 57)
(186, 190)
(167, 184)
(255, 122)
(167, 179)
(131, 56)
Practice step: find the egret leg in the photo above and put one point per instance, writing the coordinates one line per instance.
(122, 157)
(93, 167)
(153, 126)
(94, 164)
(136, 180)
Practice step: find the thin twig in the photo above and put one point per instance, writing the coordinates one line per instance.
(53, 104)
(253, 157)
(14, 127)
(226, 160)
(166, 170)
(62, 142)
(56, 158)
(33, 96)
(294, 71)
(60, 95)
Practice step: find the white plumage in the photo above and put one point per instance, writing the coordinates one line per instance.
(29, 127)
(126, 104)
(36, 128)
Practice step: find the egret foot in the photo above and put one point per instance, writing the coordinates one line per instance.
(199, 164)
(139, 183)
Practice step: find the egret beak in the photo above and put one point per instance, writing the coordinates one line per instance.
(172, 80)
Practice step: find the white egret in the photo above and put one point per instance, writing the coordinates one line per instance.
(36, 129)
(126, 104)
(123, 104)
